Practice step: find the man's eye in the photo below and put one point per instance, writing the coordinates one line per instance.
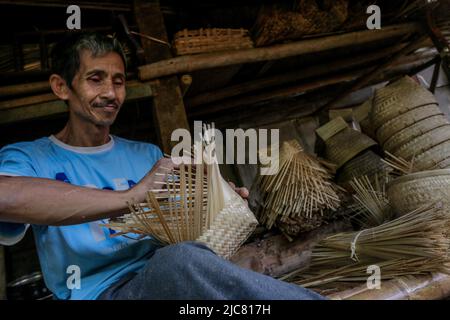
(95, 79)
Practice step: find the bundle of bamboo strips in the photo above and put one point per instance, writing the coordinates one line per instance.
(194, 203)
(415, 243)
(371, 206)
(301, 187)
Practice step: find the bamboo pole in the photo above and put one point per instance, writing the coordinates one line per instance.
(24, 88)
(404, 66)
(280, 79)
(435, 286)
(186, 64)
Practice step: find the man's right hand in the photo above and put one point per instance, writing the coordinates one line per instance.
(154, 179)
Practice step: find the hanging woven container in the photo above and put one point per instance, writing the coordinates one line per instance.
(417, 129)
(395, 125)
(423, 143)
(211, 40)
(193, 204)
(342, 143)
(412, 191)
(367, 164)
(397, 98)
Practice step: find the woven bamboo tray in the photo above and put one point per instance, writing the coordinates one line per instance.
(417, 129)
(398, 98)
(345, 145)
(211, 40)
(393, 126)
(432, 157)
(412, 191)
(367, 163)
(424, 142)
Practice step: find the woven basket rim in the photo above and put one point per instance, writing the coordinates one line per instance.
(412, 127)
(419, 175)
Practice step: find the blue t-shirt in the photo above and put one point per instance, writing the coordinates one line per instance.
(86, 248)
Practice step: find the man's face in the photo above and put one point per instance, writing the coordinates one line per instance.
(98, 88)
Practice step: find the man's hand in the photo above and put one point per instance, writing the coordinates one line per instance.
(243, 192)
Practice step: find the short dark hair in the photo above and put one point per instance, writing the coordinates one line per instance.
(65, 57)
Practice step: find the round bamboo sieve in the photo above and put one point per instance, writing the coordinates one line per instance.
(430, 158)
(424, 142)
(417, 129)
(397, 98)
(412, 191)
(345, 145)
(394, 126)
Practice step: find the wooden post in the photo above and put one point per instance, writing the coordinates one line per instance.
(2, 274)
(168, 109)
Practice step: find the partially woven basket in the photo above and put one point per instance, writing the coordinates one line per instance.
(193, 204)
(395, 125)
(423, 143)
(211, 40)
(397, 98)
(417, 129)
(412, 191)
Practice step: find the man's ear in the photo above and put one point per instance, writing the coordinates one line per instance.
(59, 87)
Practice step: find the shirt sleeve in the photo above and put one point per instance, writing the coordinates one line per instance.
(14, 162)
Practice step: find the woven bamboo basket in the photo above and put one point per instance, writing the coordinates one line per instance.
(345, 145)
(432, 157)
(443, 164)
(367, 164)
(412, 191)
(193, 204)
(397, 98)
(394, 126)
(423, 143)
(211, 40)
(417, 129)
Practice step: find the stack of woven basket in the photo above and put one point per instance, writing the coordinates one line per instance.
(409, 124)
(350, 151)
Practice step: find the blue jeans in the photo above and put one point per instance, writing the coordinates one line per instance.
(191, 271)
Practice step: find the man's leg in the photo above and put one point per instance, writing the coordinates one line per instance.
(190, 270)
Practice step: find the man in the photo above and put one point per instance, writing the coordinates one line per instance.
(68, 184)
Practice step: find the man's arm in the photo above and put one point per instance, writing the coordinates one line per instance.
(51, 202)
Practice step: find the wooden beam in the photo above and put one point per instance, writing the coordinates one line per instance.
(187, 64)
(168, 110)
(135, 91)
(281, 79)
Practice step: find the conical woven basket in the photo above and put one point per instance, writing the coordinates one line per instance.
(395, 125)
(432, 157)
(423, 143)
(417, 129)
(367, 164)
(412, 191)
(397, 98)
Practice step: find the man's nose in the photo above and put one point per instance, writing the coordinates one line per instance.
(108, 91)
